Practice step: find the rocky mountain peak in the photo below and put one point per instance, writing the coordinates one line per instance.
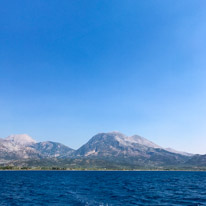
(21, 139)
(143, 141)
(129, 140)
(112, 146)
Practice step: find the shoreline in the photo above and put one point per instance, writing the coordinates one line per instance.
(93, 170)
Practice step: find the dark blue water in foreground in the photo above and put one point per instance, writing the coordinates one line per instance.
(102, 188)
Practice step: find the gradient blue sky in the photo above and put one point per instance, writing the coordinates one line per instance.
(71, 69)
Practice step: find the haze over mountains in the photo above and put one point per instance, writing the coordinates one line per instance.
(113, 148)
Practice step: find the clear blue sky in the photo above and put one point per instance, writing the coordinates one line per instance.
(71, 69)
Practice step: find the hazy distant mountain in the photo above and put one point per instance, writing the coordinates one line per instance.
(17, 147)
(20, 139)
(53, 149)
(115, 144)
(22, 146)
(178, 152)
(197, 160)
(110, 150)
(137, 150)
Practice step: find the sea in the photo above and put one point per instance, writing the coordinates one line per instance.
(102, 188)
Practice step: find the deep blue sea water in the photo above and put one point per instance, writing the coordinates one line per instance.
(102, 188)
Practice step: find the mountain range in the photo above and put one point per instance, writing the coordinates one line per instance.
(112, 150)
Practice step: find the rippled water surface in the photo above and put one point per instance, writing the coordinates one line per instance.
(102, 188)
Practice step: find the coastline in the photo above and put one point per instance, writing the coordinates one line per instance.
(109, 170)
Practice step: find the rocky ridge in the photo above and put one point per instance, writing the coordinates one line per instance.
(110, 148)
